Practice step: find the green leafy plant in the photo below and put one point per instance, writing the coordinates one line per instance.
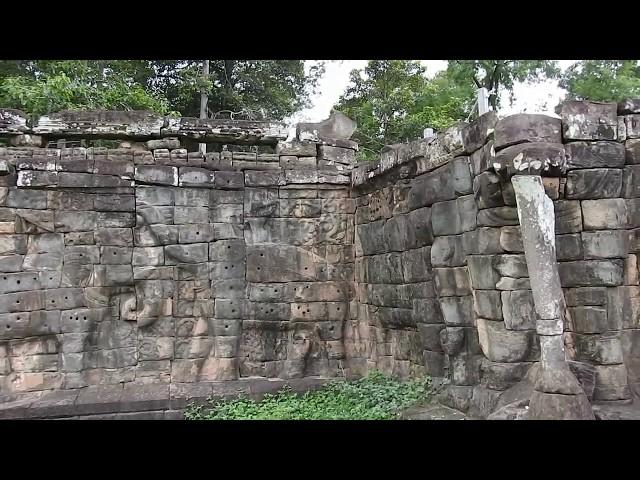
(375, 397)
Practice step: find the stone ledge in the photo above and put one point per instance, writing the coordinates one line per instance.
(139, 401)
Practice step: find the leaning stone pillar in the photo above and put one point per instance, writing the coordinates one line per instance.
(557, 394)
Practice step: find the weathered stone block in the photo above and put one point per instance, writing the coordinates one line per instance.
(34, 199)
(155, 196)
(605, 244)
(509, 346)
(518, 310)
(188, 253)
(594, 155)
(514, 266)
(435, 186)
(448, 251)
(115, 255)
(589, 120)
(297, 148)
(452, 281)
(501, 376)
(569, 247)
(195, 177)
(594, 183)
(498, 217)
(113, 275)
(191, 197)
(475, 135)
(261, 202)
(632, 151)
(487, 190)
(487, 304)
(604, 214)
(611, 383)
(190, 215)
(591, 273)
(154, 235)
(481, 271)
(525, 127)
(148, 256)
(603, 349)
(229, 180)
(196, 233)
(511, 239)
(453, 217)
(416, 265)
(69, 221)
(457, 311)
(226, 213)
(148, 215)
(631, 181)
(568, 216)
(482, 241)
(623, 307)
(585, 296)
(264, 179)
(156, 175)
(116, 219)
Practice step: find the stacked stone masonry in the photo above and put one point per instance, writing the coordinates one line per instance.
(150, 266)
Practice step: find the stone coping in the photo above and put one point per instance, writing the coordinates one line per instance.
(123, 400)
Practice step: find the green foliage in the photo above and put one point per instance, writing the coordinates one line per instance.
(260, 88)
(602, 80)
(500, 74)
(54, 86)
(393, 101)
(375, 397)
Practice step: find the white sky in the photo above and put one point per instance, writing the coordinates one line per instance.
(534, 98)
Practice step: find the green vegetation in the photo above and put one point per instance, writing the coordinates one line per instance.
(375, 397)
(602, 80)
(393, 101)
(258, 88)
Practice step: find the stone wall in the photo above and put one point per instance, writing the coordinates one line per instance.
(473, 317)
(150, 266)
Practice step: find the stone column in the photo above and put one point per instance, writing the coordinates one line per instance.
(557, 393)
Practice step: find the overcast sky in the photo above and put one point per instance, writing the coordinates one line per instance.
(536, 98)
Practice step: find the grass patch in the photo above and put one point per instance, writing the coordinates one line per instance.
(375, 397)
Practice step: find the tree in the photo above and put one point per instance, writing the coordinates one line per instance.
(40, 87)
(602, 80)
(260, 88)
(501, 74)
(268, 89)
(393, 101)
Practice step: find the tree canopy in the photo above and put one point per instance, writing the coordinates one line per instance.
(495, 75)
(602, 80)
(393, 100)
(258, 88)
